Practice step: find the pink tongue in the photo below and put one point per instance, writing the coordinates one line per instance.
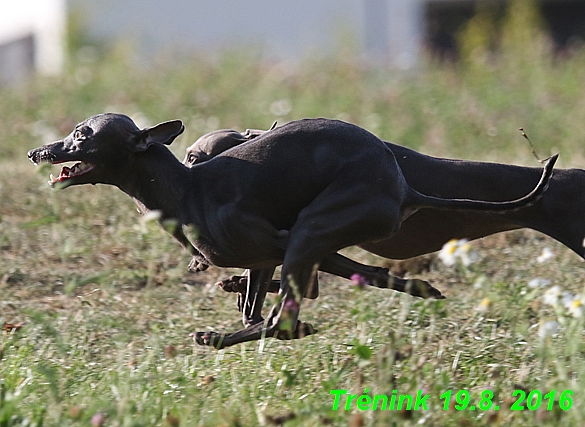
(64, 172)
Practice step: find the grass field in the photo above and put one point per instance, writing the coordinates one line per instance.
(98, 306)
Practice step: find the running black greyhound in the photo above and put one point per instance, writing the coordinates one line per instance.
(557, 213)
(292, 196)
(216, 142)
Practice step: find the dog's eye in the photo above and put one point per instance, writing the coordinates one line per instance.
(82, 133)
(78, 135)
(192, 158)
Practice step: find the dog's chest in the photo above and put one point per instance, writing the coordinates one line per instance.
(222, 256)
(231, 237)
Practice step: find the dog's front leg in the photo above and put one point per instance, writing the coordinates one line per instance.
(220, 340)
(254, 333)
(282, 323)
(283, 320)
(198, 262)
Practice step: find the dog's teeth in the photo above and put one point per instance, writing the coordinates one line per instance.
(80, 167)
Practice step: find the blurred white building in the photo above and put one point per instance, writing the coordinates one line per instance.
(32, 32)
(281, 29)
(392, 32)
(32, 37)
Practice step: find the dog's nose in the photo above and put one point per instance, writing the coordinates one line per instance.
(32, 156)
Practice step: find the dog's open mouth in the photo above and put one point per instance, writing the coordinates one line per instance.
(78, 169)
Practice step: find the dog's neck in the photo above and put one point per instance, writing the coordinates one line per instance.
(157, 181)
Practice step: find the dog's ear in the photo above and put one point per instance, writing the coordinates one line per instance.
(253, 133)
(163, 133)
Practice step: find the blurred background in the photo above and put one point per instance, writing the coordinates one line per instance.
(451, 77)
(103, 300)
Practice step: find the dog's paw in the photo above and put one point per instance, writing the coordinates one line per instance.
(423, 289)
(195, 266)
(208, 338)
(302, 330)
(237, 284)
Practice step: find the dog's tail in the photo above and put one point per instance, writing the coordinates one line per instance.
(418, 200)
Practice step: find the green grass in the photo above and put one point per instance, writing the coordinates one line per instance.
(107, 304)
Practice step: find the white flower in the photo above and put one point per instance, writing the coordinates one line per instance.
(538, 283)
(567, 299)
(457, 249)
(548, 329)
(576, 308)
(551, 296)
(573, 304)
(480, 282)
(465, 253)
(545, 256)
(447, 253)
(485, 305)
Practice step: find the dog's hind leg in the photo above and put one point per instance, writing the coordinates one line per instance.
(337, 218)
(239, 284)
(258, 284)
(339, 265)
(377, 276)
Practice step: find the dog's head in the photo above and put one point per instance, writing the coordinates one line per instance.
(101, 146)
(213, 143)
